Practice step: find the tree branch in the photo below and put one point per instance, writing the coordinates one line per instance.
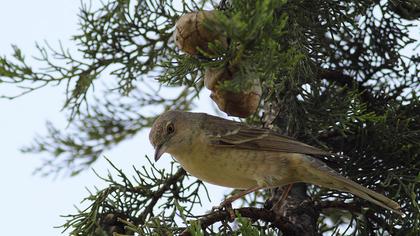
(158, 195)
(355, 208)
(249, 212)
(297, 208)
(342, 79)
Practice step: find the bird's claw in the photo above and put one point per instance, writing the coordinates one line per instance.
(226, 205)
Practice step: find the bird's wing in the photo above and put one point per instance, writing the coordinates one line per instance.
(225, 133)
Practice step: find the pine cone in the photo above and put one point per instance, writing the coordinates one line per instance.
(240, 104)
(191, 33)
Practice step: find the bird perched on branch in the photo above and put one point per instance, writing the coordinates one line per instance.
(231, 154)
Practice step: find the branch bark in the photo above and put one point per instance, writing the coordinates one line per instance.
(282, 223)
(338, 77)
(158, 194)
(297, 208)
(354, 208)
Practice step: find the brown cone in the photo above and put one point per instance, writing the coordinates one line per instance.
(191, 33)
(240, 104)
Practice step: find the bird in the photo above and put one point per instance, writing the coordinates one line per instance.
(232, 154)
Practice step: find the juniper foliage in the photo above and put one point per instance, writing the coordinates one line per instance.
(340, 75)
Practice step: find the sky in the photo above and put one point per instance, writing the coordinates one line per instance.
(31, 204)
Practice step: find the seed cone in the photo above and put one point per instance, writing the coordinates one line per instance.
(191, 33)
(240, 104)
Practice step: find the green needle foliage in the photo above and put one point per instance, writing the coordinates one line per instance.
(133, 202)
(340, 75)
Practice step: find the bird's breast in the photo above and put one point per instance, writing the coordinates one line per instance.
(234, 168)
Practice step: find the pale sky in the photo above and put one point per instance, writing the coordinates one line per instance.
(32, 205)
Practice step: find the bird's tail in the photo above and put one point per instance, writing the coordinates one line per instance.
(327, 177)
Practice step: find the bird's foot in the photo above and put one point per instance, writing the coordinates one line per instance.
(227, 206)
(227, 203)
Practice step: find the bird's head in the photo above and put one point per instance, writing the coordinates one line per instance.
(168, 132)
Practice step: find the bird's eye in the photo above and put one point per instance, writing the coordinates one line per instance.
(170, 128)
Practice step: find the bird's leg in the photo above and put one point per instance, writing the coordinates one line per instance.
(227, 203)
(286, 192)
(284, 195)
(229, 200)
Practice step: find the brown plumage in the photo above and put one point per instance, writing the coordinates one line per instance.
(229, 134)
(231, 154)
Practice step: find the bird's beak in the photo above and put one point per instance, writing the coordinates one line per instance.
(160, 149)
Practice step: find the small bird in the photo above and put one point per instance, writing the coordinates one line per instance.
(231, 154)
